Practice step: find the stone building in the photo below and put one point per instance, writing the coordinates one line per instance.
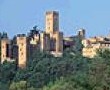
(75, 42)
(22, 43)
(5, 49)
(52, 39)
(93, 44)
(21, 47)
(15, 50)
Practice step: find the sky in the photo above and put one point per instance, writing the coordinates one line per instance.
(19, 16)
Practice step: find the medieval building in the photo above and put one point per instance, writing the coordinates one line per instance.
(21, 47)
(91, 45)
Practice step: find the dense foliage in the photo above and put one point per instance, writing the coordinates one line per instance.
(70, 72)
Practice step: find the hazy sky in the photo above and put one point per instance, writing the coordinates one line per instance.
(19, 16)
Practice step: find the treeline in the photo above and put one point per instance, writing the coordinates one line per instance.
(70, 72)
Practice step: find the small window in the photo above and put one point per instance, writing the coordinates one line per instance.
(48, 27)
(3, 56)
(3, 47)
(22, 53)
(22, 44)
(20, 49)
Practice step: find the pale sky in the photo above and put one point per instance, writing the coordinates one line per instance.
(19, 16)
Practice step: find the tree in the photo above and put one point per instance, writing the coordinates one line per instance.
(63, 84)
(7, 71)
(22, 85)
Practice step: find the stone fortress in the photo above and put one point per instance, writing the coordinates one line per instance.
(51, 40)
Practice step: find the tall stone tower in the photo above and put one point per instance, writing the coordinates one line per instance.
(81, 33)
(22, 50)
(52, 38)
(5, 49)
(52, 22)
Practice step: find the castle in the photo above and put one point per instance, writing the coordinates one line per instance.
(21, 47)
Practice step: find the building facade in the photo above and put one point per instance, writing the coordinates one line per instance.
(93, 44)
(5, 49)
(22, 44)
(52, 39)
(15, 50)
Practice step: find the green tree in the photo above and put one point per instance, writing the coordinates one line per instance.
(7, 71)
(22, 85)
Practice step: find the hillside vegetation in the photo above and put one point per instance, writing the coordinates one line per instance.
(70, 72)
